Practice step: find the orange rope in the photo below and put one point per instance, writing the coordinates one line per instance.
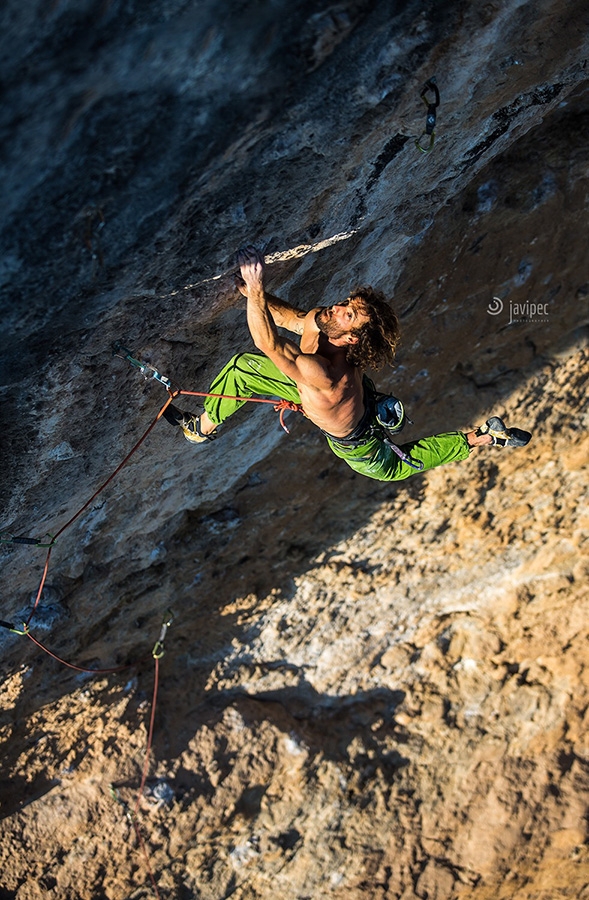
(91, 500)
(116, 668)
(71, 665)
(280, 406)
(149, 735)
(118, 468)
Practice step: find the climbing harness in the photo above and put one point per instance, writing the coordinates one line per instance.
(149, 372)
(392, 419)
(391, 416)
(430, 121)
(384, 417)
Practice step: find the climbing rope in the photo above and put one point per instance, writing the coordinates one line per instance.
(280, 406)
(70, 522)
(157, 653)
(64, 662)
(148, 371)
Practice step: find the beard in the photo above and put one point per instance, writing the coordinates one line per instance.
(327, 326)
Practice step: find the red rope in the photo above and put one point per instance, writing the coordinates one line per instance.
(118, 468)
(116, 668)
(280, 406)
(150, 733)
(87, 504)
(284, 406)
(225, 397)
(71, 665)
(41, 586)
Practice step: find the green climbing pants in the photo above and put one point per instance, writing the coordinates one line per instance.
(249, 373)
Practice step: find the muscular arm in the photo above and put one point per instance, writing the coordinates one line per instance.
(290, 359)
(296, 320)
(284, 314)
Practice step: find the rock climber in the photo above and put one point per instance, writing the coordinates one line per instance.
(324, 375)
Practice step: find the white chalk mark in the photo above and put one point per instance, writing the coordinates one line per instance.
(281, 256)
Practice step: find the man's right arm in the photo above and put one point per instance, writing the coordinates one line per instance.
(284, 353)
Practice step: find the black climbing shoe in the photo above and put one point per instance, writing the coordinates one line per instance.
(189, 424)
(502, 436)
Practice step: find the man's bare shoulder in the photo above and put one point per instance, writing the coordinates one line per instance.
(315, 370)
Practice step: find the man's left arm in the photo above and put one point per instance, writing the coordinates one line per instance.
(284, 314)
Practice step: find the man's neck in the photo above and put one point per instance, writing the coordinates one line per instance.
(332, 350)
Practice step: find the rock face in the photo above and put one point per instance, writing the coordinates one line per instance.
(368, 690)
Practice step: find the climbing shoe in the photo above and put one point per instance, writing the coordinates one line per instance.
(189, 425)
(502, 436)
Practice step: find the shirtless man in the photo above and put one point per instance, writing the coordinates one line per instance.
(325, 374)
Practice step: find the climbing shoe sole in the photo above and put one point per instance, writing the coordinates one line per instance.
(502, 436)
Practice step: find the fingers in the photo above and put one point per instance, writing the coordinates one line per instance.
(249, 256)
(241, 285)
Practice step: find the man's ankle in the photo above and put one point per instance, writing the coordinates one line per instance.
(206, 426)
(478, 440)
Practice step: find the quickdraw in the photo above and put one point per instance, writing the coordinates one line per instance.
(158, 648)
(7, 538)
(430, 122)
(146, 369)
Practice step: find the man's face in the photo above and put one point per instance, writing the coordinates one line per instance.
(343, 319)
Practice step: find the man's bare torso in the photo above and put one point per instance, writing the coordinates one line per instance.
(338, 407)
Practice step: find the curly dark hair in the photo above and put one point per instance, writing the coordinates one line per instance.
(377, 338)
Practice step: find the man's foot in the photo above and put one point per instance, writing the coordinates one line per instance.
(189, 425)
(502, 436)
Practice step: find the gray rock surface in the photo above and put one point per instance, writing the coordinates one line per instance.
(368, 690)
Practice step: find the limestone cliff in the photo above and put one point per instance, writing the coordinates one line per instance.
(368, 690)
